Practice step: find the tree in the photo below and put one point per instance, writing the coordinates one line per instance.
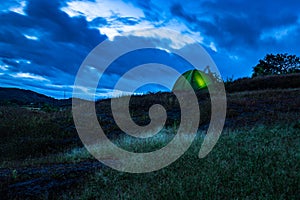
(277, 64)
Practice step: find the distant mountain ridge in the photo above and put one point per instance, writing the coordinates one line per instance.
(28, 97)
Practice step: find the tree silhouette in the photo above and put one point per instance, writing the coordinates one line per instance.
(277, 64)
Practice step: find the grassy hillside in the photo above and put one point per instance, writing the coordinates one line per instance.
(261, 162)
(264, 82)
(257, 155)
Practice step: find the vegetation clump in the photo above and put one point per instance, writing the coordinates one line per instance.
(277, 64)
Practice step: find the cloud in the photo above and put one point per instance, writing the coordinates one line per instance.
(177, 10)
(44, 41)
(242, 29)
(19, 8)
(13, 5)
(213, 47)
(234, 23)
(3, 67)
(111, 18)
(29, 76)
(31, 37)
(105, 9)
(98, 22)
(50, 39)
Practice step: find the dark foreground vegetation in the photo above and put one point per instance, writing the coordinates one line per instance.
(257, 155)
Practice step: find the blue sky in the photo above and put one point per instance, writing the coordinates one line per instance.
(44, 42)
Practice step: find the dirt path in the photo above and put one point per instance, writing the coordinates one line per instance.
(41, 181)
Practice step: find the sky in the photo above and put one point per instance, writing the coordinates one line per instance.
(44, 42)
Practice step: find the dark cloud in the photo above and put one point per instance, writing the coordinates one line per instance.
(177, 10)
(243, 31)
(128, 20)
(232, 23)
(61, 27)
(98, 22)
(151, 11)
(56, 44)
(237, 23)
(60, 45)
(7, 4)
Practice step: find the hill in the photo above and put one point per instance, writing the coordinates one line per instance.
(257, 155)
(264, 82)
(27, 97)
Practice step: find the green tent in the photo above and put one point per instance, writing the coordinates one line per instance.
(196, 78)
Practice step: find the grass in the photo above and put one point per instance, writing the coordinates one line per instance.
(25, 133)
(257, 155)
(261, 163)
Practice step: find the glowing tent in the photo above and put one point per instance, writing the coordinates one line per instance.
(196, 78)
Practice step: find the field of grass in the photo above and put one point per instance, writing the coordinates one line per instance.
(257, 163)
(256, 157)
